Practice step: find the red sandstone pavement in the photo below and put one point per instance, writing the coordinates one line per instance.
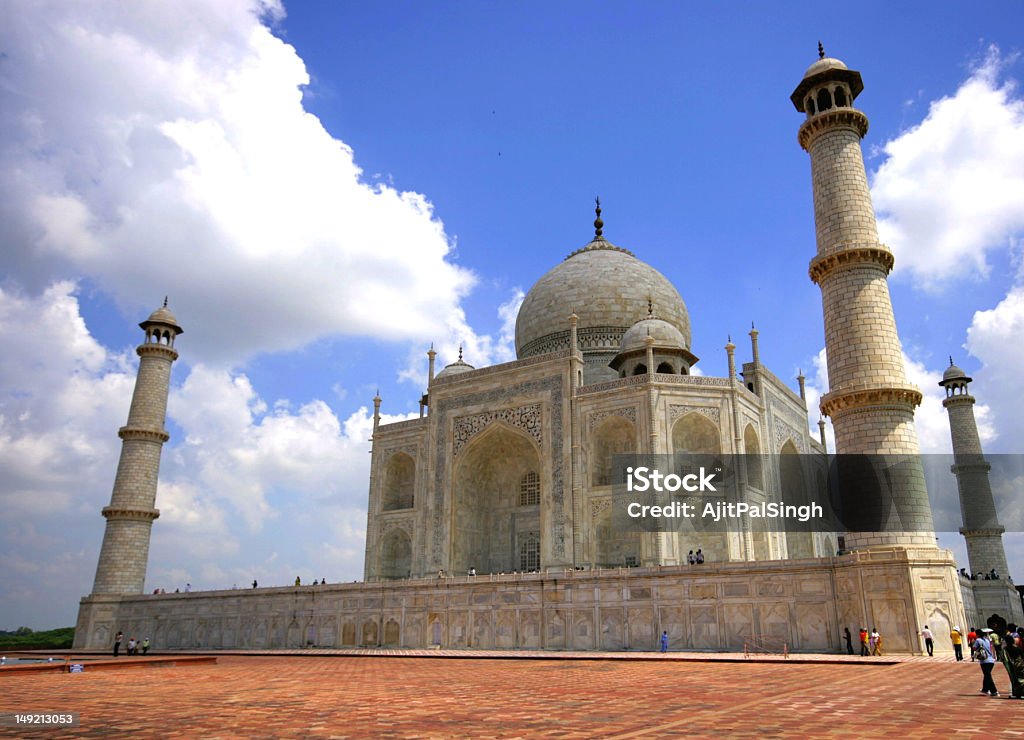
(371, 696)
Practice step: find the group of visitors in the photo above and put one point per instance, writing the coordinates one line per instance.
(298, 582)
(870, 642)
(992, 575)
(695, 558)
(133, 646)
(988, 647)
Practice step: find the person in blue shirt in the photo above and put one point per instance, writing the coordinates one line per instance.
(985, 654)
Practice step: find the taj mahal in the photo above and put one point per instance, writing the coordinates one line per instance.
(489, 520)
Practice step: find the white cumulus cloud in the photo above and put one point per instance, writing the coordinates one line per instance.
(951, 189)
(165, 149)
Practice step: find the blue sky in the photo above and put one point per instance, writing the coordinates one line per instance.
(324, 189)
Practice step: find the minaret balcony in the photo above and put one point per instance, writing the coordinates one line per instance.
(148, 435)
(832, 119)
(119, 512)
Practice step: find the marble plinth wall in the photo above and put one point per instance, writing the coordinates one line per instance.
(982, 599)
(714, 607)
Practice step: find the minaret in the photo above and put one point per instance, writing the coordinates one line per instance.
(981, 528)
(869, 400)
(125, 550)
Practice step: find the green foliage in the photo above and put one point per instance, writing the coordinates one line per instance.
(24, 638)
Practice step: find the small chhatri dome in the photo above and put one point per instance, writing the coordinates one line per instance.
(162, 316)
(663, 333)
(954, 374)
(652, 334)
(455, 368)
(825, 70)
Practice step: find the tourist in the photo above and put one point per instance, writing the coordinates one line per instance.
(117, 643)
(298, 581)
(145, 645)
(927, 635)
(876, 642)
(997, 647)
(188, 588)
(323, 581)
(699, 556)
(957, 638)
(472, 571)
(981, 651)
(971, 637)
(131, 646)
(1013, 660)
(254, 584)
(691, 558)
(849, 640)
(664, 642)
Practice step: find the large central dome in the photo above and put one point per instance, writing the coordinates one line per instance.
(608, 289)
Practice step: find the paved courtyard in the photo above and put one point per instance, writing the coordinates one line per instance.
(398, 697)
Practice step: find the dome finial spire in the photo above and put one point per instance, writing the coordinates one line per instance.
(460, 353)
(165, 301)
(951, 360)
(821, 51)
(650, 307)
(598, 223)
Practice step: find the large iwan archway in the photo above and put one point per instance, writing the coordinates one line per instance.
(495, 514)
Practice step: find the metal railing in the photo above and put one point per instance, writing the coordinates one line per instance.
(761, 645)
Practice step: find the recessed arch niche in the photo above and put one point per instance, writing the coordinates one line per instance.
(489, 527)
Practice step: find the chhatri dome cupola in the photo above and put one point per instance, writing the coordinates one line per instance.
(955, 381)
(827, 84)
(457, 367)
(608, 289)
(161, 327)
(669, 348)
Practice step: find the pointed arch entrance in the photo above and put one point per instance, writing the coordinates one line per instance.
(799, 544)
(493, 523)
(696, 434)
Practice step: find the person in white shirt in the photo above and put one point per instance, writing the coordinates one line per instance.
(928, 643)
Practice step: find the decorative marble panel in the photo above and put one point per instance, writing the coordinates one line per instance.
(676, 410)
(598, 416)
(527, 418)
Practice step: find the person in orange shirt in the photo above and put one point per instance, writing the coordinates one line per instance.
(863, 641)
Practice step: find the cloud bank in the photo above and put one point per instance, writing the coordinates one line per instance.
(165, 150)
